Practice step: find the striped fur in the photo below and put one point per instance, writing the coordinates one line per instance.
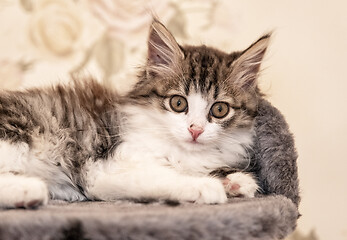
(76, 123)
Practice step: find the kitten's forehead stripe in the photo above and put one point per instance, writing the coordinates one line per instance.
(209, 86)
(187, 85)
(216, 92)
(204, 69)
(192, 74)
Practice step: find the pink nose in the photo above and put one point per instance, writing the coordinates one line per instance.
(195, 131)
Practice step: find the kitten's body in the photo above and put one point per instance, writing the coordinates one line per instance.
(83, 142)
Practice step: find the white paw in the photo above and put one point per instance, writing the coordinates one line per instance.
(212, 191)
(24, 192)
(206, 190)
(240, 184)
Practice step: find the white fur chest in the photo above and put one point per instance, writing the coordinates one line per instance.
(151, 148)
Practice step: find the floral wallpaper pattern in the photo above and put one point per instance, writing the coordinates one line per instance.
(104, 38)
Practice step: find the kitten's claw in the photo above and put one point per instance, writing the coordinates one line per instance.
(240, 184)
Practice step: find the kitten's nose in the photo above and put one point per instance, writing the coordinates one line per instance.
(195, 131)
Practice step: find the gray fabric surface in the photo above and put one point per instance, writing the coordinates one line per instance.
(272, 216)
(274, 154)
(261, 218)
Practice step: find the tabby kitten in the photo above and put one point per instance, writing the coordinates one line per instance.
(190, 114)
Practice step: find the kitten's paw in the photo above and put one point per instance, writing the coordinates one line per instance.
(240, 184)
(30, 194)
(24, 192)
(210, 191)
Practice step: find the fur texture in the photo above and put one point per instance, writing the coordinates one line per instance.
(274, 154)
(50, 134)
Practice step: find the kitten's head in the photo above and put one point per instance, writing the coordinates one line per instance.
(199, 96)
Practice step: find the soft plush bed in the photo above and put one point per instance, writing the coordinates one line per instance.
(271, 215)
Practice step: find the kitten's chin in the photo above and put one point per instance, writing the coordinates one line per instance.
(192, 146)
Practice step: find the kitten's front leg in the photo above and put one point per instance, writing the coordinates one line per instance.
(17, 191)
(155, 182)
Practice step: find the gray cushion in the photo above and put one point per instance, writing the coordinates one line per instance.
(271, 217)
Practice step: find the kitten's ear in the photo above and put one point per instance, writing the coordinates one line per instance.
(163, 50)
(246, 67)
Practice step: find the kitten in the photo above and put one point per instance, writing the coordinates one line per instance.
(191, 114)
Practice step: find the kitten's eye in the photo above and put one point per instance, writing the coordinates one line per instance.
(178, 103)
(220, 109)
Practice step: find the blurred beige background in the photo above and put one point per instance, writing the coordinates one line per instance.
(45, 41)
